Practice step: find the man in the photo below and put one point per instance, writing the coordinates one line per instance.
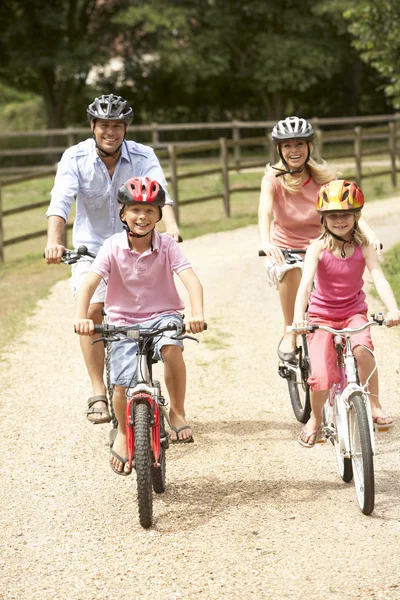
(91, 172)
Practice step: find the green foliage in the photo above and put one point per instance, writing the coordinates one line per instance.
(376, 28)
(391, 268)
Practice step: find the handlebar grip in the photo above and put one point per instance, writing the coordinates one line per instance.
(261, 253)
(205, 326)
(180, 239)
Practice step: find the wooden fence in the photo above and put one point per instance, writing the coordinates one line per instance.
(229, 158)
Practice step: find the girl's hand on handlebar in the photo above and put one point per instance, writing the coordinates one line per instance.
(195, 324)
(377, 245)
(301, 326)
(273, 254)
(53, 253)
(392, 319)
(84, 327)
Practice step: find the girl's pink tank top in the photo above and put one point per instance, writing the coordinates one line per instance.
(339, 284)
(296, 222)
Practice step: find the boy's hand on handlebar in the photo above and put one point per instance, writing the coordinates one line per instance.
(274, 254)
(195, 324)
(53, 253)
(84, 327)
(392, 319)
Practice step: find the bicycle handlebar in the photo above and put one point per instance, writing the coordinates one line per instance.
(378, 319)
(285, 251)
(135, 331)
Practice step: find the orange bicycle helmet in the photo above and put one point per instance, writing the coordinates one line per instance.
(338, 195)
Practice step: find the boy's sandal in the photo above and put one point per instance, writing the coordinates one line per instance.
(122, 460)
(98, 410)
(382, 426)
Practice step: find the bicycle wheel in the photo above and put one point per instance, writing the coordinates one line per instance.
(344, 464)
(159, 473)
(361, 454)
(110, 387)
(143, 464)
(299, 390)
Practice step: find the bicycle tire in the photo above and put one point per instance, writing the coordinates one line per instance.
(299, 390)
(361, 454)
(110, 387)
(159, 473)
(143, 463)
(344, 463)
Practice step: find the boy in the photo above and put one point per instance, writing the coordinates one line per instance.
(139, 264)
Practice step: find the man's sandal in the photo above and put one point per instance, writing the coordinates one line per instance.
(99, 410)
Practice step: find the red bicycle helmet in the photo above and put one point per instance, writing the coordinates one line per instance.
(141, 189)
(339, 195)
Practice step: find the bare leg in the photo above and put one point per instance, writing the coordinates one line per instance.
(366, 364)
(94, 360)
(310, 430)
(175, 380)
(287, 294)
(119, 445)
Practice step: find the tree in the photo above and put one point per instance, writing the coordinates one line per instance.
(376, 27)
(49, 48)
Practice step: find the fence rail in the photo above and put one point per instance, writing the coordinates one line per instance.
(230, 159)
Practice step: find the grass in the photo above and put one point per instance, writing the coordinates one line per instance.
(25, 278)
(391, 268)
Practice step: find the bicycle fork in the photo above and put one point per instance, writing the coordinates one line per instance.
(144, 395)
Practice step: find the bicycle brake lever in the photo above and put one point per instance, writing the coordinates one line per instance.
(185, 337)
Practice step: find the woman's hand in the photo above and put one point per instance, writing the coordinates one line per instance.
(273, 254)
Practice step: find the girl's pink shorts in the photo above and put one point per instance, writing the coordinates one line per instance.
(323, 357)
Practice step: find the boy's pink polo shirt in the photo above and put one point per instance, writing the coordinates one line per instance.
(140, 286)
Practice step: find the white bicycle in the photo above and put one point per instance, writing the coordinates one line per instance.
(347, 417)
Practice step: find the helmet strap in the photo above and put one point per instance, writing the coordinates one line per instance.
(340, 239)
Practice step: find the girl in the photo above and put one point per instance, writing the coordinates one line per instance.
(287, 198)
(337, 260)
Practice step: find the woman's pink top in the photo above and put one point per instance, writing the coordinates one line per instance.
(296, 222)
(339, 284)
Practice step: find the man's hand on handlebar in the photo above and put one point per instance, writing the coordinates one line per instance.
(53, 253)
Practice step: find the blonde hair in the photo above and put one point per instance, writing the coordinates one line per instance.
(320, 172)
(358, 236)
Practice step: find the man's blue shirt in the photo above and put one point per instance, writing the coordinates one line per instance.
(81, 174)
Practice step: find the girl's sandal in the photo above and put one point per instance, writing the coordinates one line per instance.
(382, 426)
(304, 437)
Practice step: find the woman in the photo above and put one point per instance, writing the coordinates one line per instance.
(287, 216)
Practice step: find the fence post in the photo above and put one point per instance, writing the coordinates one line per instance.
(225, 175)
(155, 138)
(1, 229)
(358, 154)
(70, 137)
(236, 147)
(173, 171)
(393, 151)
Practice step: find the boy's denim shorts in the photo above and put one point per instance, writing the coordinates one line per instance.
(123, 355)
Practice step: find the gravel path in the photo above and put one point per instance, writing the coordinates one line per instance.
(248, 513)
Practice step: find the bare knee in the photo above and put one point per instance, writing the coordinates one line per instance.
(171, 354)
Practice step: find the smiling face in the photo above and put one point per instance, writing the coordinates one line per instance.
(109, 134)
(340, 223)
(294, 153)
(141, 217)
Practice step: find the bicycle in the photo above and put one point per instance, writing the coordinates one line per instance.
(347, 417)
(146, 413)
(297, 375)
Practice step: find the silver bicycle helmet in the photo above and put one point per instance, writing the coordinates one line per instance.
(292, 128)
(110, 108)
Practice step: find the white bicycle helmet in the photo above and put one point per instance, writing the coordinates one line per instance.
(292, 128)
(110, 108)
